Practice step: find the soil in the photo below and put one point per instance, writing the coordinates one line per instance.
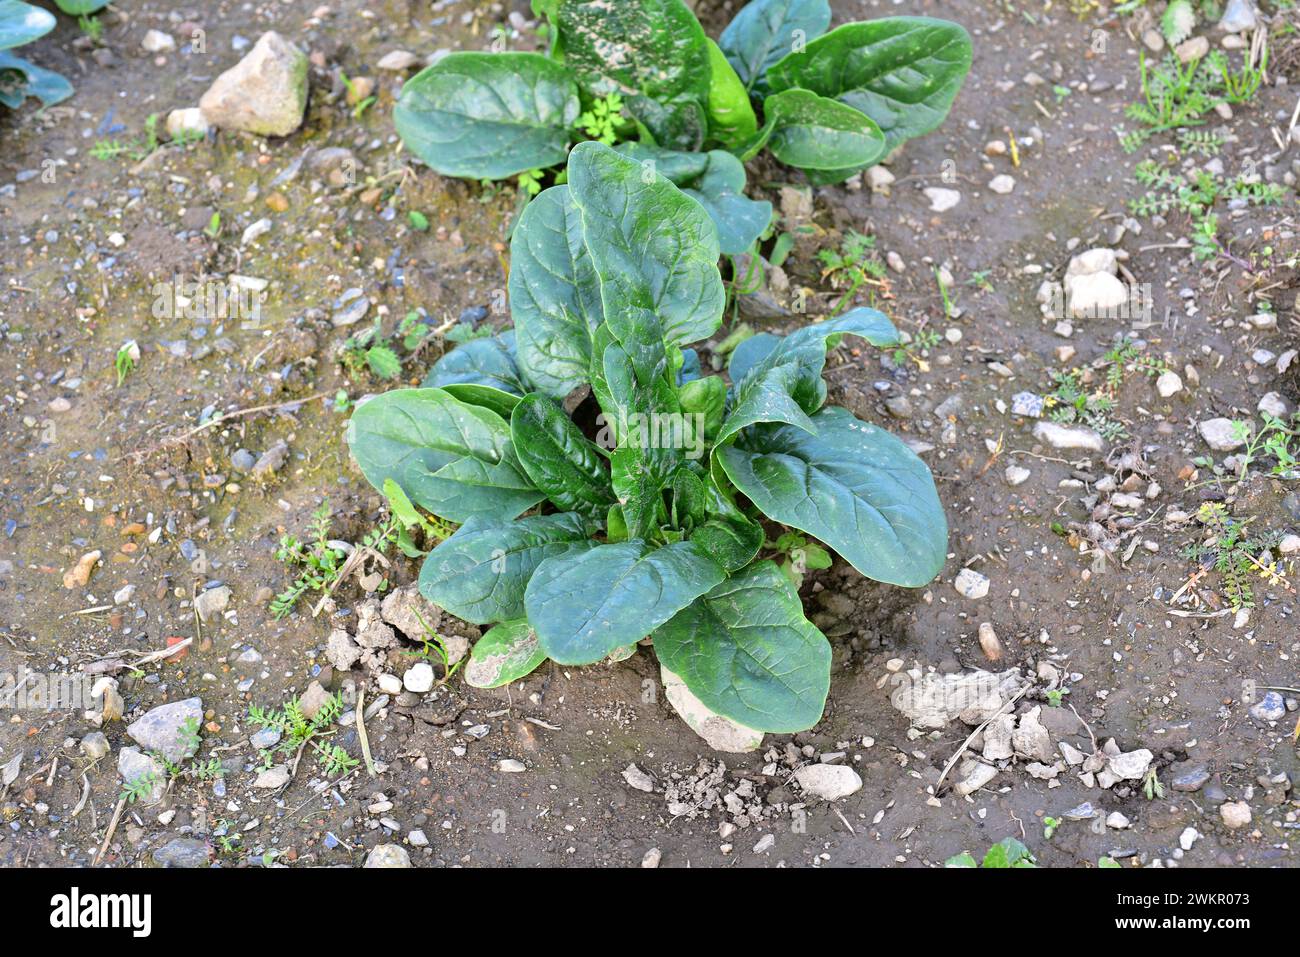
(85, 244)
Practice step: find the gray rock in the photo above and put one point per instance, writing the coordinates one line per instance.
(1271, 707)
(997, 738)
(1220, 434)
(161, 729)
(636, 778)
(1030, 739)
(1068, 436)
(830, 782)
(1130, 765)
(975, 775)
(271, 461)
(941, 200)
(388, 855)
(419, 678)
(182, 852)
(134, 765)
(95, 745)
(266, 738)
(264, 93)
(1016, 475)
(1239, 16)
(313, 699)
(1093, 295)
(1188, 776)
(211, 602)
(341, 651)
(243, 460)
(272, 778)
(971, 584)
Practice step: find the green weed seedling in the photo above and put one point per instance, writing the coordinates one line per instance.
(298, 732)
(1006, 853)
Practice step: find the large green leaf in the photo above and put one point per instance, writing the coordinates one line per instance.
(851, 485)
(814, 132)
(715, 180)
(654, 249)
(506, 653)
(559, 459)
(554, 294)
(481, 372)
(488, 115)
(654, 53)
(585, 606)
(46, 85)
(785, 384)
(22, 23)
(731, 115)
(764, 31)
(903, 72)
(451, 458)
(746, 650)
(479, 574)
(721, 191)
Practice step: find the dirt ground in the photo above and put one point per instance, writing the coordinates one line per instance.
(126, 469)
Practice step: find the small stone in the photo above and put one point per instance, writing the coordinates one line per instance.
(511, 766)
(271, 461)
(1130, 765)
(170, 730)
(390, 684)
(879, 179)
(1272, 404)
(273, 778)
(989, 642)
(417, 838)
(1117, 821)
(1188, 838)
(894, 260)
(135, 766)
(1002, 184)
(123, 594)
(995, 148)
(941, 200)
(1220, 434)
(765, 844)
(78, 576)
(264, 93)
(1271, 707)
(651, 858)
(313, 699)
(1189, 777)
(182, 852)
(971, 584)
(1153, 40)
(977, 776)
(1016, 475)
(636, 778)
(265, 739)
(155, 41)
(388, 855)
(95, 745)
(211, 602)
(1068, 436)
(997, 738)
(1239, 16)
(342, 652)
(1030, 739)
(188, 123)
(830, 782)
(419, 678)
(1095, 295)
(1289, 545)
(1028, 404)
(398, 61)
(1169, 383)
(1235, 814)
(1193, 49)
(899, 407)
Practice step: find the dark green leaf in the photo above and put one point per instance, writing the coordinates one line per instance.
(451, 458)
(747, 652)
(903, 72)
(653, 248)
(502, 403)
(479, 574)
(46, 85)
(815, 132)
(488, 115)
(764, 31)
(583, 607)
(720, 190)
(731, 117)
(706, 398)
(559, 459)
(851, 485)
(689, 497)
(554, 295)
(506, 653)
(652, 52)
(785, 385)
(678, 167)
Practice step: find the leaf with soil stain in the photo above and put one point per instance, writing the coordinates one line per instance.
(451, 458)
(653, 52)
(480, 573)
(488, 115)
(853, 486)
(506, 653)
(746, 650)
(903, 72)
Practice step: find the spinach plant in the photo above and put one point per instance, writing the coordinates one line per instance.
(830, 103)
(656, 528)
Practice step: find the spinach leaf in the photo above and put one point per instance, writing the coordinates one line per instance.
(813, 132)
(903, 72)
(554, 295)
(479, 573)
(46, 85)
(707, 398)
(785, 385)
(559, 459)
(488, 115)
(449, 457)
(764, 31)
(21, 23)
(506, 653)
(585, 606)
(482, 372)
(851, 485)
(720, 190)
(652, 52)
(731, 117)
(654, 249)
(746, 650)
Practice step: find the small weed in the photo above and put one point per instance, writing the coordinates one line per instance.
(1050, 824)
(1235, 554)
(799, 555)
(1007, 852)
(124, 363)
(213, 229)
(1151, 786)
(854, 263)
(323, 563)
(366, 351)
(299, 732)
(1073, 401)
(603, 120)
(433, 649)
